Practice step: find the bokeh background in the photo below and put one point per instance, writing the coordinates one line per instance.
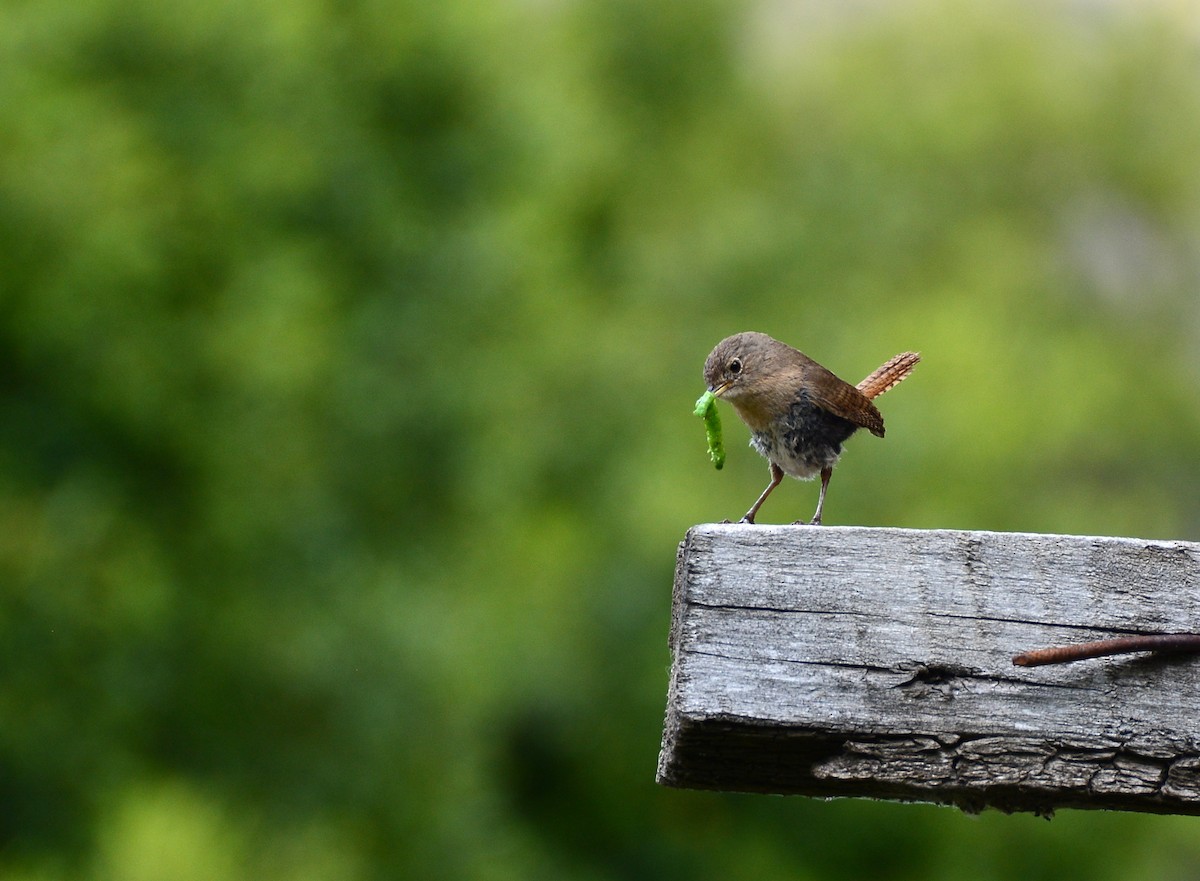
(347, 356)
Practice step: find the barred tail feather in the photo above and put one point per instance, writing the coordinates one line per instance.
(890, 374)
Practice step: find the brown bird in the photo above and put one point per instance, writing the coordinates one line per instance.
(799, 413)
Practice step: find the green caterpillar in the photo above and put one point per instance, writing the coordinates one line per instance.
(707, 407)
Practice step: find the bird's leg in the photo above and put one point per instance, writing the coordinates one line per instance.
(826, 473)
(776, 476)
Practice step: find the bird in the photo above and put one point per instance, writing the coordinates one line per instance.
(798, 412)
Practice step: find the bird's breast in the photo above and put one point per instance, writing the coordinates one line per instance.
(754, 412)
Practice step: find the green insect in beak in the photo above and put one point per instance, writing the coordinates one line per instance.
(707, 408)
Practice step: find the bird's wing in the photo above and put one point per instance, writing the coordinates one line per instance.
(842, 399)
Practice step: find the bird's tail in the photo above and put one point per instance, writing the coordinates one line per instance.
(895, 371)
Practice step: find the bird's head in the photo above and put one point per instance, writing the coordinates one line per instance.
(738, 365)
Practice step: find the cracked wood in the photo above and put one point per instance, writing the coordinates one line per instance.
(846, 661)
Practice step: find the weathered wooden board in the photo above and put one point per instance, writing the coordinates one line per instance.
(844, 661)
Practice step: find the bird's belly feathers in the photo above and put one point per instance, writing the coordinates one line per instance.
(806, 441)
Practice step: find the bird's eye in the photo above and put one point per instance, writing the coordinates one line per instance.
(735, 366)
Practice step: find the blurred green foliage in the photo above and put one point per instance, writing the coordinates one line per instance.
(348, 352)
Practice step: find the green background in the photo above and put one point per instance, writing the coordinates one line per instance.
(348, 353)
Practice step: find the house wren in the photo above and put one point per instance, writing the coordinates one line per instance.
(798, 412)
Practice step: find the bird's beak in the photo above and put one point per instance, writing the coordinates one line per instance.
(719, 390)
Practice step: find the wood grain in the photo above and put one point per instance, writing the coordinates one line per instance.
(845, 661)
